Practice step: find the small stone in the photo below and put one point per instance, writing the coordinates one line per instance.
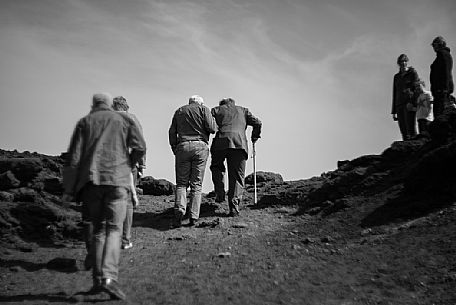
(366, 232)
(307, 240)
(224, 254)
(16, 269)
(326, 239)
(240, 225)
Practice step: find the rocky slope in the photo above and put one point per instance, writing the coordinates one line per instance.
(379, 229)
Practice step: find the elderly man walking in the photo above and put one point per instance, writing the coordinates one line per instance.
(98, 172)
(230, 143)
(120, 104)
(189, 134)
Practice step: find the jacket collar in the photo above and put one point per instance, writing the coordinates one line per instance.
(101, 107)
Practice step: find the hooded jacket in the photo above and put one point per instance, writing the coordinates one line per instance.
(441, 78)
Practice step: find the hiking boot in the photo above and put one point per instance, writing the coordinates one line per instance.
(113, 289)
(192, 222)
(127, 246)
(96, 288)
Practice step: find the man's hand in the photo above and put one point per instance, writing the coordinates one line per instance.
(254, 140)
(394, 117)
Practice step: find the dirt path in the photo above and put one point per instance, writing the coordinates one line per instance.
(265, 256)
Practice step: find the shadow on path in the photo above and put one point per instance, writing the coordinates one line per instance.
(403, 208)
(65, 265)
(162, 221)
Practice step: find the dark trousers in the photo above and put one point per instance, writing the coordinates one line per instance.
(423, 126)
(107, 208)
(236, 160)
(440, 99)
(406, 120)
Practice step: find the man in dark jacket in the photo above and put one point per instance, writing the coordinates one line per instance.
(441, 75)
(230, 143)
(189, 138)
(98, 172)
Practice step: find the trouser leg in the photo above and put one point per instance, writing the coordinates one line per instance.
(438, 106)
(411, 123)
(183, 169)
(115, 206)
(218, 173)
(128, 222)
(201, 153)
(236, 173)
(423, 126)
(401, 120)
(92, 197)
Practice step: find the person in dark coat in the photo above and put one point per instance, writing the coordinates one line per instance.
(230, 143)
(441, 75)
(403, 98)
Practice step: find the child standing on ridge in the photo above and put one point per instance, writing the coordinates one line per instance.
(424, 108)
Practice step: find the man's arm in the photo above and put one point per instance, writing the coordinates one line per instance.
(210, 124)
(255, 123)
(72, 160)
(137, 144)
(172, 134)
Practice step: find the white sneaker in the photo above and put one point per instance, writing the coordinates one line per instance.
(127, 246)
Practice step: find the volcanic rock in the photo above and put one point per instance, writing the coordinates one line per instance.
(156, 187)
(264, 177)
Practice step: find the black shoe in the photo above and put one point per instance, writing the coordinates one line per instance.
(96, 288)
(192, 222)
(112, 288)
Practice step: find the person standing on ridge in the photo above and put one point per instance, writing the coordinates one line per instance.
(189, 134)
(403, 93)
(230, 143)
(441, 77)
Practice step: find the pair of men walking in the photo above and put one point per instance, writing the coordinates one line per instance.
(189, 134)
(106, 145)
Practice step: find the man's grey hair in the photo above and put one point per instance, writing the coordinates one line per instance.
(196, 99)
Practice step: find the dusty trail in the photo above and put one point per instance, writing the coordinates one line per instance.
(266, 256)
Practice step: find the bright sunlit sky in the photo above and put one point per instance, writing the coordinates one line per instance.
(318, 73)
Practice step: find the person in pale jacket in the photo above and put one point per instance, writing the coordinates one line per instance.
(424, 113)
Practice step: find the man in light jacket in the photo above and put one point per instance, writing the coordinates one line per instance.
(98, 172)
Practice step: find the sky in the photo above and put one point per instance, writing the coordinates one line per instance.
(317, 73)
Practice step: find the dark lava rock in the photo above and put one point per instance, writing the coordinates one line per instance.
(24, 169)
(264, 177)
(8, 181)
(156, 187)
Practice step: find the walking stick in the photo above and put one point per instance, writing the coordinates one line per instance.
(255, 200)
